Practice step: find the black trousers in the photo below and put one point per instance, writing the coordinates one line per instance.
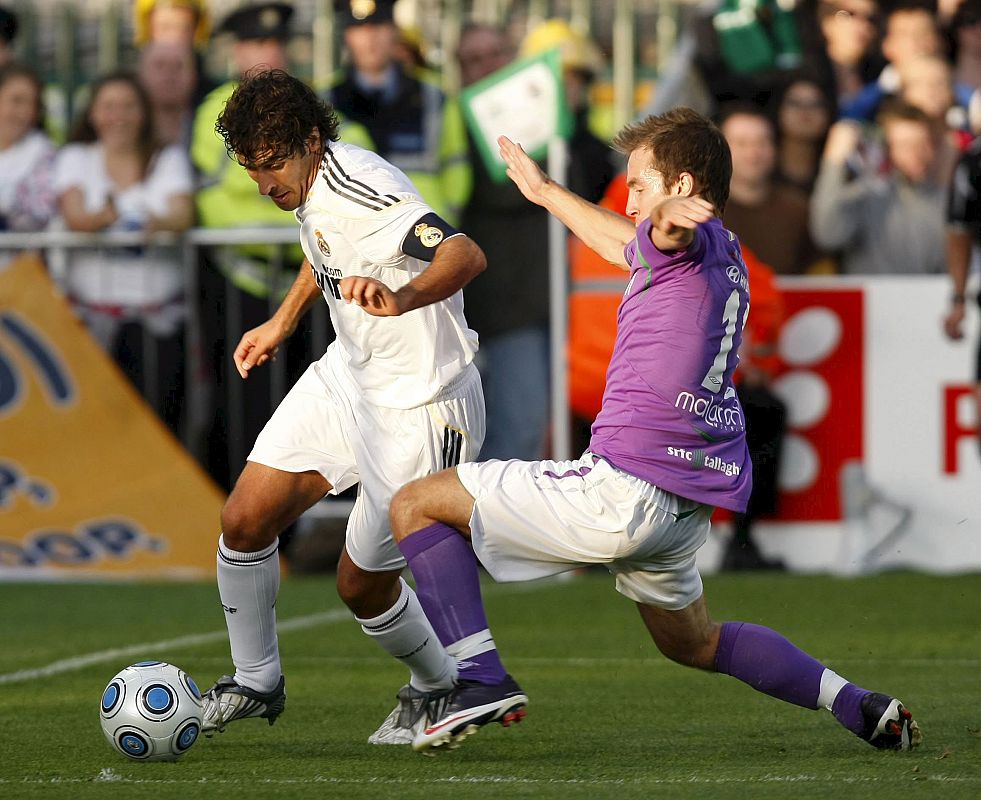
(240, 408)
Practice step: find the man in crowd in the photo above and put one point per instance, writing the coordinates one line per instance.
(411, 123)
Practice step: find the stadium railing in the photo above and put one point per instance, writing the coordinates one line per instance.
(55, 245)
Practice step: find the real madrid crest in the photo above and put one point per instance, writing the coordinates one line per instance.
(324, 248)
(428, 235)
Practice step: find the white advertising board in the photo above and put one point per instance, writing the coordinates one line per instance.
(881, 465)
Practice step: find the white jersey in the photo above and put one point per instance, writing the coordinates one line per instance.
(357, 215)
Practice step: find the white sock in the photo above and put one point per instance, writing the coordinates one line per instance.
(248, 584)
(831, 684)
(405, 632)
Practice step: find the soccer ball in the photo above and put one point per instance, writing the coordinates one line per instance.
(151, 711)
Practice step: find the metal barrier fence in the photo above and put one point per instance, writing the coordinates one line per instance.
(56, 245)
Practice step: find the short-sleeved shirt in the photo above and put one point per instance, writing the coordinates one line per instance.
(18, 161)
(670, 412)
(357, 218)
(123, 277)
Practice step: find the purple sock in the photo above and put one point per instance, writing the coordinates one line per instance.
(448, 587)
(769, 663)
(847, 708)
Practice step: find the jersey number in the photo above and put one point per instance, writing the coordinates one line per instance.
(730, 317)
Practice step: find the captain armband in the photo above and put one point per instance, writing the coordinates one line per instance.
(426, 235)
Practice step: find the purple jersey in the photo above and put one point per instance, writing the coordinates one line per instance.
(670, 413)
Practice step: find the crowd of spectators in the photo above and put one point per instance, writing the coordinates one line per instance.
(846, 119)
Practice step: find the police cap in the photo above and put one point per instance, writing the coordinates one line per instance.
(261, 21)
(364, 12)
(8, 25)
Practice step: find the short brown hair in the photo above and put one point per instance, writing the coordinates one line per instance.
(270, 116)
(682, 140)
(894, 109)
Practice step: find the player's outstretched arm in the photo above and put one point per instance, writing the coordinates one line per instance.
(457, 261)
(673, 222)
(601, 230)
(262, 343)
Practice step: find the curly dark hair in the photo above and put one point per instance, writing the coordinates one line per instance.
(682, 140)
(270, 116)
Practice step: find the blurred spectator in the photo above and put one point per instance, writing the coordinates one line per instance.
(168, 72)
(592, 163)
(803, 114)
(764, 413)
(946, 10)
(909, 31)
(769, 216)
(483, 49)
(26, 153)
(227, 196)
(8, 32)
(730, 50)
(841, 46)
(113, 176)
(181, 23)
(410, 122)
(965, 43)
(964, 234)
(244, 278)
(514, 341)
(926, 82)
(883, 224)
(410, 53)
(745, 48)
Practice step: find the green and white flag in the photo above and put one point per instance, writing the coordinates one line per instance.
(524, 101)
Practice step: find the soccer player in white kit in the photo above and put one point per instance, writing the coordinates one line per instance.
(395, 397)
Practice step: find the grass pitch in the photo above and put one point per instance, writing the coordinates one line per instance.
(608, 715)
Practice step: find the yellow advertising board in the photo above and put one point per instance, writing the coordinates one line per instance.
(91, 483)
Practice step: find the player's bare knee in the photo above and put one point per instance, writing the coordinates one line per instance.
(406, 511)
(242, 529)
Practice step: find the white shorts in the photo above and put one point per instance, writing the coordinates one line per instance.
(324, 425)
(539, 518)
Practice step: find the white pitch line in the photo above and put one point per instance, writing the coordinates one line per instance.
(110, 776)
(138, 650)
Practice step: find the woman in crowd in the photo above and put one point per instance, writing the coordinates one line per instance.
(803, 116)
(26, 153)
(113, 176)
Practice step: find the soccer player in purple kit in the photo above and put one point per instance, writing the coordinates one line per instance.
(667, 447)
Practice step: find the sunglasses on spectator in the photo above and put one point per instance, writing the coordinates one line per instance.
(847, 13)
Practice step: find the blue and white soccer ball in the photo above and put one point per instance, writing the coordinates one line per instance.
(151, 711)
